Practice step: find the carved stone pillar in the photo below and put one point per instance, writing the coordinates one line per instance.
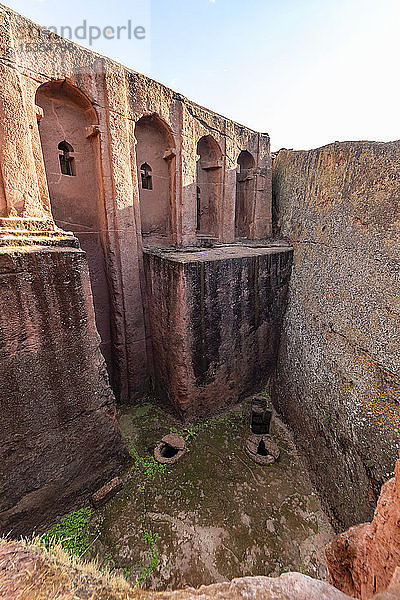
(22, 212)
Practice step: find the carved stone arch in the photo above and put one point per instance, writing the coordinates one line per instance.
(66, 90)
(69, 121)
(246, 161)
(155, 148)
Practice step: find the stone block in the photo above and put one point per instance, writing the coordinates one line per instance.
(105, 493)
(214, 319)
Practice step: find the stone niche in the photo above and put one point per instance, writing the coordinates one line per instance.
(214, 318)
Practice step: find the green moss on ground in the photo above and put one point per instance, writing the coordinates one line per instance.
(215, 514)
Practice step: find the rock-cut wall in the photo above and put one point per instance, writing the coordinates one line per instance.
(363, 560)
(215, 318)
(337, 380)
(59, 439)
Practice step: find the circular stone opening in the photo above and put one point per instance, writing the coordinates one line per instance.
(171, 448)
(262, 449)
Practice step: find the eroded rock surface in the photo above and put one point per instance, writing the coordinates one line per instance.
(26, 574)
(60, 440)
(338, 368)
(363, 560)
(215, 319)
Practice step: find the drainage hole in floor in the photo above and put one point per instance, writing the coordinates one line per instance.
(168, 451)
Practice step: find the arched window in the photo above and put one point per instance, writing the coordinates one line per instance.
(147, 178)
(67, 161)
(246, 161)
(156, 171)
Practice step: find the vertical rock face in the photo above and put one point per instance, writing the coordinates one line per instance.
(338, 369)
(59, 437)
(215, 318)
(363, 560)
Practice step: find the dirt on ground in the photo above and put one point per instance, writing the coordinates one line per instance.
(215, 514)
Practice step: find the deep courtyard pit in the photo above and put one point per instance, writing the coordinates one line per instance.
(215, 514)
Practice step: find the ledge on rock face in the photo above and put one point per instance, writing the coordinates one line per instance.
(363, 560)
(26, 572)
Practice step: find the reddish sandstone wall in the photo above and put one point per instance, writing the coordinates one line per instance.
(59, 436)
(77, 201)
(154, 143)
(215, 321)
(338, 380)
(109, 224)
(363, 560)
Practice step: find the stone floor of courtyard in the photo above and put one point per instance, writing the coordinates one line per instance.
(215, 514)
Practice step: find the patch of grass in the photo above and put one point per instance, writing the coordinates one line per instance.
(188, 433)
(151, 538)
(266, 395)
(72, 532)
(141, 411)
(191, 431)
(128, 571)
(148, 465)
(57, 574)
(228, 419)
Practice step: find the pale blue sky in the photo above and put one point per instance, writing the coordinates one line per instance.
(308, 72)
